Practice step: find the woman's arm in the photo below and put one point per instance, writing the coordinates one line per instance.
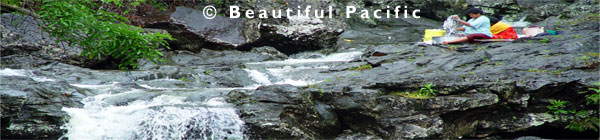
(461, 22)
(460, 29)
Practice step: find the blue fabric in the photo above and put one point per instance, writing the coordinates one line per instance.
(479, 25)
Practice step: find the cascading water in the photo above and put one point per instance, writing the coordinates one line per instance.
(182, 113)
(162, 117)
(297, 71)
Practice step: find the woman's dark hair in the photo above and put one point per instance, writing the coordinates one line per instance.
(474, 11)
(493, 20)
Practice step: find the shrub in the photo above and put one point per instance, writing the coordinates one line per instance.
(581, 120)
(98, 32)
(361, 67)
(425, 92)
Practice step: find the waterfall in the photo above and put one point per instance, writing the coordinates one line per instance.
(119, 112)
(163, 117)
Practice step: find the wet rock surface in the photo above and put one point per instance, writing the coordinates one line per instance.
(31, 109)
(490, 90)
(484, 90)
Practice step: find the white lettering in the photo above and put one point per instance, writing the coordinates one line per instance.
(365, 14)
(234, 12)
(350, 10)
(415, 13)
(330, 12)
(276, 14)
(307, 10)
(375, 13)
(249, 14)
(263, 14)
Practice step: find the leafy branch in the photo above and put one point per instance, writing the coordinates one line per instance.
(98, 32)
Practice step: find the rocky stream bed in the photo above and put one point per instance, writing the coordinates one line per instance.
(298, 78)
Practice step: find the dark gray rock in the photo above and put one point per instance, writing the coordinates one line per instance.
(32, 109)
(22, 36)
(282, 111)
(217, 33)
(268, 50)
(287, 34)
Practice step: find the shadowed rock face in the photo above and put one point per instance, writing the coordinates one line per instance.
(492, 90)
(288, 34)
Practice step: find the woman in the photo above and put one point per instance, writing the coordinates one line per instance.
(478, 27)
(501, 30)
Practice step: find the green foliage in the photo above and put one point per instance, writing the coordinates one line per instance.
(593, 98)
(361, 67)
(545, 40)
(557, 107)
(581, 120)
(207, 72)
(425, 92)
(428, 89)
(101, 33)
(120, 3)
(537, 70)
(590, 123)
(557, 71)
(587, 119)
(583, 58)
(183, 79)
(399, 51)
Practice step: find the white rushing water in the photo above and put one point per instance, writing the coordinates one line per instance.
(24, 73)
(294, 71)
(336, 57)
(162, 113)
(163, 117)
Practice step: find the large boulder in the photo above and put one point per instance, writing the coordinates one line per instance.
(288, 34)
(194, 31)
(22, 35)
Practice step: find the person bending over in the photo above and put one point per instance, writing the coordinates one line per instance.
(478, 27)
(501, 30)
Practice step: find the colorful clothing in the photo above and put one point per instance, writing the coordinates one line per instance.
(479, 25)
(502, 30)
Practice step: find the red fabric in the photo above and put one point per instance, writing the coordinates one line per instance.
(506, 34)
(472, 37)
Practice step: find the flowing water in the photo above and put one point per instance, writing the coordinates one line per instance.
(152, 112)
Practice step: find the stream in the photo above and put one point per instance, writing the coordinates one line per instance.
(156, 111)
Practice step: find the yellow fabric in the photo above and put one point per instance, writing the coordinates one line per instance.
(499, 27)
